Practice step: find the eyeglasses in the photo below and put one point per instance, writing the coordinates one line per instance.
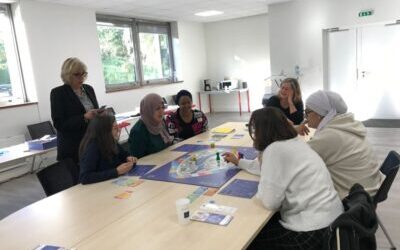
(80, 74)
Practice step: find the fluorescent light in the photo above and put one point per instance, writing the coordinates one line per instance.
(209, 13)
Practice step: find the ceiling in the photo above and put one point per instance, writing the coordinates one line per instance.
(174, 10)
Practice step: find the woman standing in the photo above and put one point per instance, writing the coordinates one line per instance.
(289, 100)
(101, 157)
(149, 135)
(186, 122)
(297, 185)
(73, 105)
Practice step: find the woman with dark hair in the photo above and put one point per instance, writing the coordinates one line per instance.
(149, 135)
(101, 157)
(73, 105)
(186, 122)
(296, 184)
(289, 100)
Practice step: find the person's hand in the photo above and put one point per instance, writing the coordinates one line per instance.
(131, 159)
(229, 157)
(124, 167)
(290, 95)
(90, 114)
(302, 129)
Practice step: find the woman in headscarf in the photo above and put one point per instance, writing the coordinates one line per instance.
(341, 142)
(149, 135)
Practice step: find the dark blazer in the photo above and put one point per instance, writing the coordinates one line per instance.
(95, 168)
(67, 113)
(296, 117)
(357, 225)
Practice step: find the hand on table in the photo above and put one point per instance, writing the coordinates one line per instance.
(124, 167)
(229, 157)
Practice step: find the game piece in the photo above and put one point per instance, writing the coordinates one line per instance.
(218, 158)
(212, 145)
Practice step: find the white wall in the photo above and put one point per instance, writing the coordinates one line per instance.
(238, 48)
(296, 32)
(50, 33)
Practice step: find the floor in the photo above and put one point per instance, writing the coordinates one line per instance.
(22, 191)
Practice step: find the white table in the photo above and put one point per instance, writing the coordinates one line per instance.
(226, 92)
(89, 217)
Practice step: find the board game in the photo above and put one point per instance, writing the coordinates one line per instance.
(202, 165)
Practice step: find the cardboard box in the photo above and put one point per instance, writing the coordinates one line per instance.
(42, 144)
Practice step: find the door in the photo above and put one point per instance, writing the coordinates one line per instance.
(362, 68)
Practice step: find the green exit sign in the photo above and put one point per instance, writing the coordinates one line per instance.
(364, 13)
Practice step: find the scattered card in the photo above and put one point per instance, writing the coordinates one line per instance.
(237, 136)
(212, 218)
(123, 181)
(124, 195)
(217, 209)
(196, 194)
(211, 191)
(241, 188)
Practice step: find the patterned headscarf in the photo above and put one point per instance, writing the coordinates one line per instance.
(148, 106)
(327, 104)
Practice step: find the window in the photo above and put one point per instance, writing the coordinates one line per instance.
(11, 87)
(134, 52)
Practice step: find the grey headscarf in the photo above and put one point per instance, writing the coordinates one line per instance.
(148, 106)
(327, 104)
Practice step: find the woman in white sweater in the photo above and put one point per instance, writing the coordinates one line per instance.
(341, 142)
(293, 180)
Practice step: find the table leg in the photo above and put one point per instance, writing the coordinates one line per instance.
(33, 163)
(248, 100)
(209, 102)
(240, 103)
(200, 101)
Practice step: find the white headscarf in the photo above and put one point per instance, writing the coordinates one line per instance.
(327, 104)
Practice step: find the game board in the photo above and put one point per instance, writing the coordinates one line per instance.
(201, 166)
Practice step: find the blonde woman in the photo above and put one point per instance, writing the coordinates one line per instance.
(73, 105)
(289, 100)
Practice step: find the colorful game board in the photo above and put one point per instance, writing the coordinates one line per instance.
(201, 166)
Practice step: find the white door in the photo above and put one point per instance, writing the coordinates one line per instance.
(342, 64)
(366, 71)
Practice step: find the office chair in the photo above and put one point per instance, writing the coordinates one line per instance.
(355, 228)
(41, 129)
(58, 176)
(389, 168)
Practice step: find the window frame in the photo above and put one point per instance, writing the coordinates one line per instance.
(18, 81)
(134, 24)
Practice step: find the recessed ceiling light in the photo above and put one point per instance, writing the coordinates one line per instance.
(209, 13)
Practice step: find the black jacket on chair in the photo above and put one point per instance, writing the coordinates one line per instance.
(357, 225)
(67, 113)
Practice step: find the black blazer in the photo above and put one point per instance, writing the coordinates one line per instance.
(67, 113)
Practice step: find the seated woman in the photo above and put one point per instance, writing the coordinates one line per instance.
(289, 100)
(341, 142)
(186, 122)
(101, 157)
(297, 185)
(149, 135)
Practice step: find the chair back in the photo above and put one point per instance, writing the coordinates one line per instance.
(41, 129)
(58, 176)
(389, 168)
